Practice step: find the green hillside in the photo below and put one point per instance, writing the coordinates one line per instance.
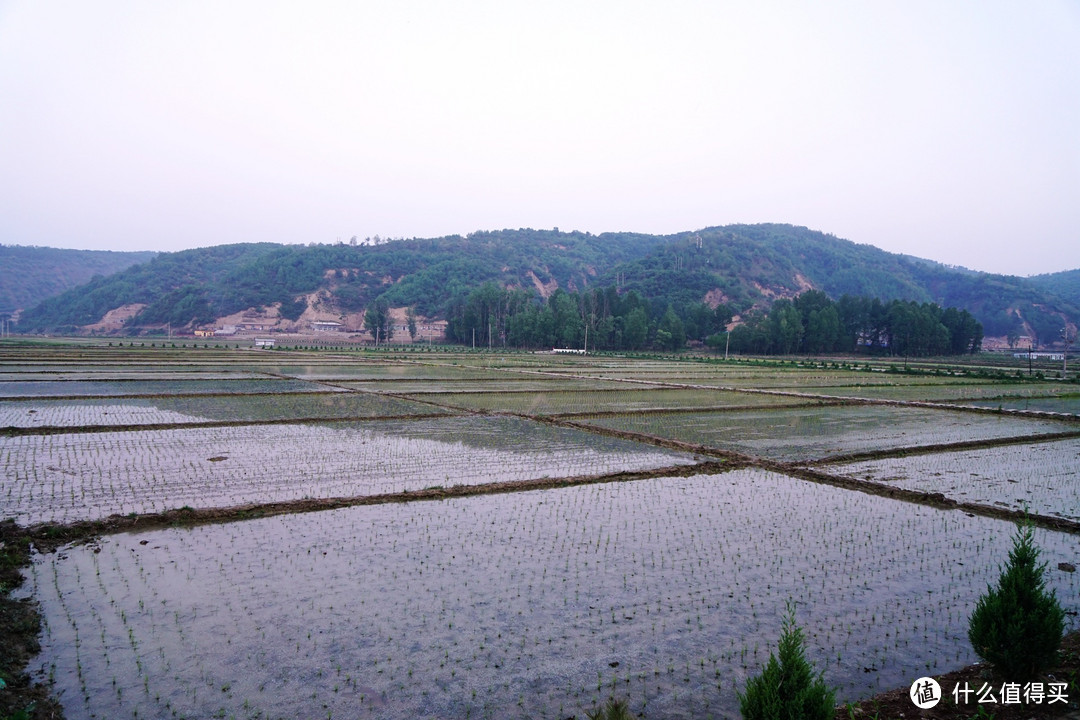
(742, 266)
(28, 275)
(197, 286)
(751, 264)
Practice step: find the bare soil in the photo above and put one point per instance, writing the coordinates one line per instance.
(20, 625)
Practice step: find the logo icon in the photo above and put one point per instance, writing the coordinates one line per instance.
(925, 693)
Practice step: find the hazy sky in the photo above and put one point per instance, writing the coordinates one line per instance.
(944, 129)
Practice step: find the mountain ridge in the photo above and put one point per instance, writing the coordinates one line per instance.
(30, 274)
(744, 266)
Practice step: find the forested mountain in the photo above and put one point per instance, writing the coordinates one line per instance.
(198, 286)
(28, 275)
(754, 263)
(1066, 285)
(743, 267)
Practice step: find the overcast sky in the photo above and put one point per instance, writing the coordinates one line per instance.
(947, 130)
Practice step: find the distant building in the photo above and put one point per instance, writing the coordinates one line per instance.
(1040, 355)
(568, 351)
(204, 333)
(264, 342)
(326, 326)
(226, 330)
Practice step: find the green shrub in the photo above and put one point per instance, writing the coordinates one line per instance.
(788, 689)
(612, 710)
(1017, 626)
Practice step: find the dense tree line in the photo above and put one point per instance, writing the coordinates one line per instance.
(495, 316)
(813, 324)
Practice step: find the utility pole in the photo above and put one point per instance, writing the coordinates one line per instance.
(1065, 355)
(727, 343)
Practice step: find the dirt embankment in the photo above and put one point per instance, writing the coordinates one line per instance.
(20, 625)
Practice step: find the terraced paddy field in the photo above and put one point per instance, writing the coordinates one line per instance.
(815, 433)
(120, 374)
(1067, 404)
(88, 476)
(770, 375)
(505, 382)
(515, 534)
(387, 371)
(108, 388)
(557, 401)
(1041, 477)
(195, 409)
(976, 394)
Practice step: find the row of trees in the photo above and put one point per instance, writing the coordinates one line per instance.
(604, 319)
(496, 316)
(813, 324)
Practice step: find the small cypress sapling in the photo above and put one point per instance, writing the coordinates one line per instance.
(611, 710)
(788, 689)
(1017, 626)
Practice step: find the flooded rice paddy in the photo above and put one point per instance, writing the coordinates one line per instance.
(812, 433)
(1041, 477)
(666, 590)
(88, 476)
(663, 590)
